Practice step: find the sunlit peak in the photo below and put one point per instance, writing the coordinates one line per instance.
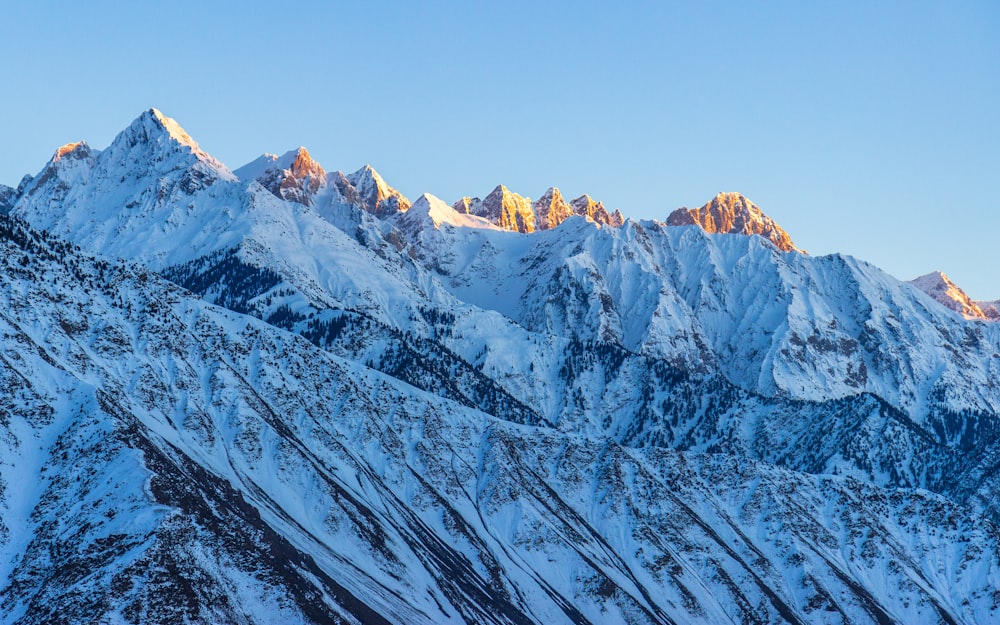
(67, 149)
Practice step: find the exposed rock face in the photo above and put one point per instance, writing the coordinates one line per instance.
(990, 308)
(733, 213)
(8, 196)
(510, 211)
(295, 177)
(941, 288)
(502, 207)
(585, 206)
(551, 209)
(374, 195)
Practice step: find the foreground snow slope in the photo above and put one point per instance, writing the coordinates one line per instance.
(189, 464)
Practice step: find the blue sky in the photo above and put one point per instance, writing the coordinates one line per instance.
(867, 128)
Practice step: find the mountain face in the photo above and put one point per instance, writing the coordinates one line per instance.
(551, 209)
(733, 213)
(507, 210)
(941, 288)
(510, 211)
(287, 404)
(296, 177)
(8, 197)
(991, 309)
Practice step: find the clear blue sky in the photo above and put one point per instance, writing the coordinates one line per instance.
(869, 128)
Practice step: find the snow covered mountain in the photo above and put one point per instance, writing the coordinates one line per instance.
(358, 410)
(296, 177)
(941, 288)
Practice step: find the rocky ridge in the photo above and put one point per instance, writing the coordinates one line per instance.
(942, 289)
(732, 213)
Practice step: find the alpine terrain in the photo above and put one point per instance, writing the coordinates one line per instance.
(278, 394)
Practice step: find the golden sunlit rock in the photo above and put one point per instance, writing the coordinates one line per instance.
(733, 213)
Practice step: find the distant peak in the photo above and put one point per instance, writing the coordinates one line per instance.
(552, 194)
(159, 132)
(585, 202)
(367, 173)
(156, 119)
(375, 195)
(302, 164)
(429, 207)
(733, 213)
(80, 149)
(934, 277)
(465, 204)
(939, 286)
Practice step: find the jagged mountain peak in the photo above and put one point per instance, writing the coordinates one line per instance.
(375, 195)
(77, 150)
(551, 209)
(503, 208)
(511, 211)
(733, 213)
(69, 163)
(293, 176)
(429, 208)
(939, 286)
(588, 207)
(552, 193)
(303, 163)
(155, 123)
(158, 135)
(501, 193)
(73, 156)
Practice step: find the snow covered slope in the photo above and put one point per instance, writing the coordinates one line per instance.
(168, 461)
(241, 245)
(416, 414)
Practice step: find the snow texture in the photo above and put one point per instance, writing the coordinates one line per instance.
(285, 395)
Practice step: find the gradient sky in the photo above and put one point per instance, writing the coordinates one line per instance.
(867, 128)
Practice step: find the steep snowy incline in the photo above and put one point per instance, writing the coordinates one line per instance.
(153, 194)
(327, 269)
(177, 462)
(501, 207)
(775, 323)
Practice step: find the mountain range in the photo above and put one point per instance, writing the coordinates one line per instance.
(280, 394)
